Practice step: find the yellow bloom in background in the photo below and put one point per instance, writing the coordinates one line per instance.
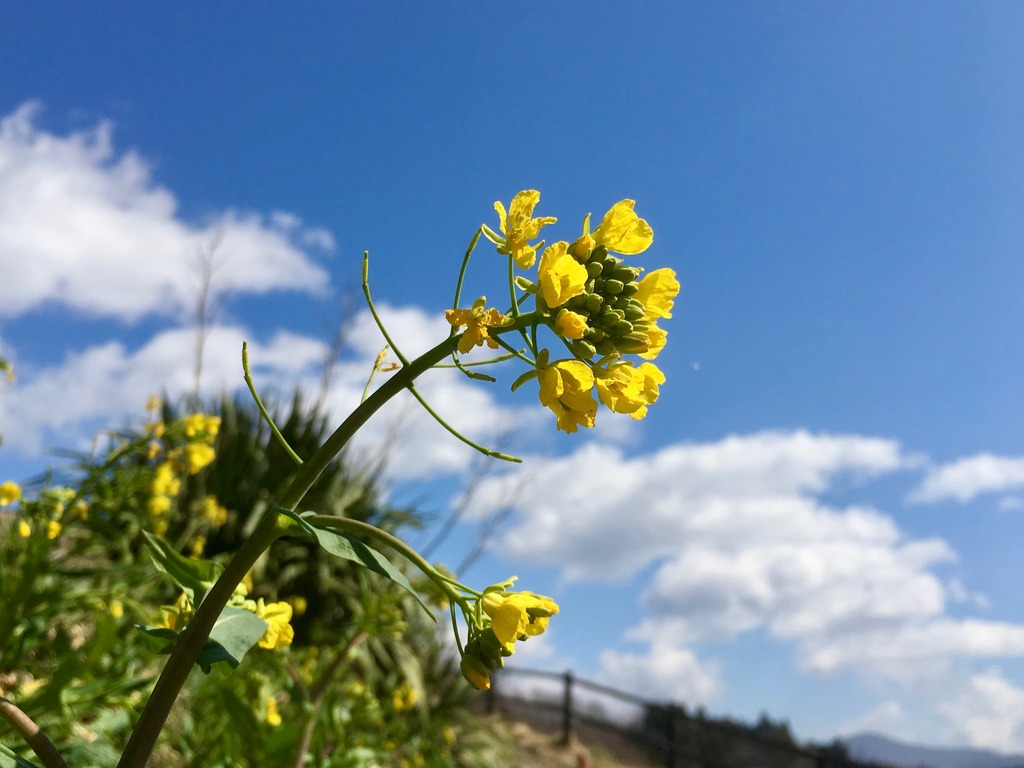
(197, 547)
(273, 717)
(519, 226)
(53, 529)
(561, 277)
(476, 320)
(10, 492)
(202, 426)
(279, 631)
(116, 609)
(177, 616)
(622, 231)
(624, 388)
(214, 512)
(24, 529)
(298, 603)
(404, 698)
(565, 388)
(158, 505)
(165, 480)
(197, 456)
(80, 510)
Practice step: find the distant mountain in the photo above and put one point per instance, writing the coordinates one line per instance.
(874, 748)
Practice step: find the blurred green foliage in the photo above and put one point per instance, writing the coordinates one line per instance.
(368, 681)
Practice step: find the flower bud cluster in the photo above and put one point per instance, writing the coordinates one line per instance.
(613, 315)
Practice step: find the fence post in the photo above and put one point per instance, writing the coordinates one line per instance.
(567, 713)
(671, 734)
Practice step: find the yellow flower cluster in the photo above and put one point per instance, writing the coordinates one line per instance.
(501, 619)
(601, 308)
(48, 510)
(404, 698)
(200, 430)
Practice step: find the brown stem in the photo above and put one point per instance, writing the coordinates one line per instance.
(32, 734)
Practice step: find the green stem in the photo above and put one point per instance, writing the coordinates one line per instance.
(191, 642)
(373, 311)
(259, 404)
(192, 639)
(451, 430)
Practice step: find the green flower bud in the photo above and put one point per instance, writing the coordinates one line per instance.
(593, 302)
(625, 274)
(594, 268)
(605, 347)
(621, 328)
(629, 289)
(598, 254)
(583, 349)
(631, 345)
(614, 287)
(595, 335)
(634, 311)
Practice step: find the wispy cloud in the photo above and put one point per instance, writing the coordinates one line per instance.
(970, 477)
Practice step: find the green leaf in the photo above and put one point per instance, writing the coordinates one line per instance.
(234, 634)
(9, 759)
(347, 548)
(193, 576)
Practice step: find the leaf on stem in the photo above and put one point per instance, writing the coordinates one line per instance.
(193, 576)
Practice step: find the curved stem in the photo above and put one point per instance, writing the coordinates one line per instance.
(451, 430)
(373, 310)
(259, 404)
(32, 734)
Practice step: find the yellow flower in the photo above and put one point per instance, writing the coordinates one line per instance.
(153, 404)
(570, 325)
(177, 616)
(561, 276)
(202, 426)
(24, 529)
(517, 615)
(477, 321)
(198, 455)
(197, 547)
(625, 389)
(657, 292)
(165, 480)
(153, 450)
(519, 227)
(404, 698)
(279, 631)
(80, 511)
(214, 512)
(158, 505)
(273, 717)
(10, 492)
(565, 388)
(622, 231)
(116, 609)
(53, 529)
(298, 604)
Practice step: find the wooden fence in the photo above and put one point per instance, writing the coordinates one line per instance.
(648, 732)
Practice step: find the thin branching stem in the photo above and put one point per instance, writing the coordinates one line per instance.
(263, 411)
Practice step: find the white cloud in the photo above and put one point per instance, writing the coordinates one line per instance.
(86, 227)
(667, 671)
(988, 712)
(887, 718)
(739, 539)
(967, 478)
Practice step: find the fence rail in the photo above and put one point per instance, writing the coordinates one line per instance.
(663, 731)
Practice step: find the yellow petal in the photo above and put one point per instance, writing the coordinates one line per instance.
(657, 292)
(622, 231)
(561, 276)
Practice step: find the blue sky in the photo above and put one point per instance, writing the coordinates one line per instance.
(821, 516)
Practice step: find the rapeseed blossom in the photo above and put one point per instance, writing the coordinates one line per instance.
(602, 309)
(10, 492)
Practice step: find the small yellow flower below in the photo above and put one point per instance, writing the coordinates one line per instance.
(519, 226)
(273, 717)
(10, 492)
